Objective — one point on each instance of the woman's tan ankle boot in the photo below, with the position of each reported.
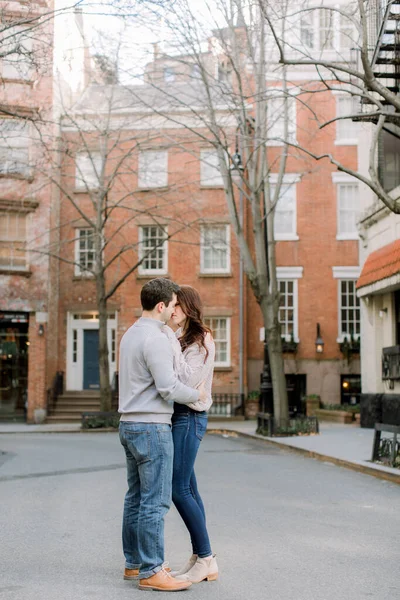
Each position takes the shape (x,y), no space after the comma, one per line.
(203,568)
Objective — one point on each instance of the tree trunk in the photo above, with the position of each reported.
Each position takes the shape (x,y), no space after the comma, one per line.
(105,388)
(274,343)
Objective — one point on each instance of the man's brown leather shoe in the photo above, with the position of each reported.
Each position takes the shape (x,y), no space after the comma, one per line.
(131,573)
(163,582)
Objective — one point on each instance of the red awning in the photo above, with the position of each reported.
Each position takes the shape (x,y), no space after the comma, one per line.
(380,264)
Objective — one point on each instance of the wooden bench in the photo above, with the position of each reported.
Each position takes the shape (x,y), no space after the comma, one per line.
(386,450)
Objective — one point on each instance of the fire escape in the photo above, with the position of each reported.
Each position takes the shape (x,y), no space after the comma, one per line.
(386,58)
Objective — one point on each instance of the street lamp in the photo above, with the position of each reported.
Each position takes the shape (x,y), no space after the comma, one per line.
(237,169)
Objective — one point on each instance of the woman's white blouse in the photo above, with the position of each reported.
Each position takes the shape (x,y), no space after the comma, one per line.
(192,366)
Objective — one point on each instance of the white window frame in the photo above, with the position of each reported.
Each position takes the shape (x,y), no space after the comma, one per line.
(87,170)
(164,247)
(274,130)
(148,180)
(218,363)
(340,179)
(169,74)
(9,240)
(343,125)
(19,144)
(78,270)
(209,159)
(227,248)
(290,179)
(346,274)
(337,29)
(292,274)
(16,66)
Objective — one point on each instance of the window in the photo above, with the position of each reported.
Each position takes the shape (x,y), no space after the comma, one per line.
(276,120)
(307,29)
(153,169)
(88,171)
(346,129)
(326,30)
(285,212)
(196,71)
(84,252)
(210,175)
(349,309)
(348,210)
(17,48)
(215,249)
(221,330)
(287,316)
(13,253)
(153,243)
(169,74)
(14,147)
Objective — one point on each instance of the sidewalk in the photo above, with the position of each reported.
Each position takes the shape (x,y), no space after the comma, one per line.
(344,445)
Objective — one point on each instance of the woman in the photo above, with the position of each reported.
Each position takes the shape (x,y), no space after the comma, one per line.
(194,353)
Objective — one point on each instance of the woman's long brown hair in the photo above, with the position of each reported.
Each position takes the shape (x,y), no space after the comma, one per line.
(195,330)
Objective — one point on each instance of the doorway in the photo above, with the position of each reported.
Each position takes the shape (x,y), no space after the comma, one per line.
(91,371)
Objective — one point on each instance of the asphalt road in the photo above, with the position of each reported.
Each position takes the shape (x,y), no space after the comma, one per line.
(284,527)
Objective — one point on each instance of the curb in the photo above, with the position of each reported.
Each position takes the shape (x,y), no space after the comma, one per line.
(340,462)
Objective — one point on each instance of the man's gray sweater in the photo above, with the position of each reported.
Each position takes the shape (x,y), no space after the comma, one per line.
(148,384)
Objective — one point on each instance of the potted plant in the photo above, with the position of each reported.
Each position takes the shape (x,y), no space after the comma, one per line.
(252,404)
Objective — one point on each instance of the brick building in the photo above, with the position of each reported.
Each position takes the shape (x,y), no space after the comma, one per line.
(170,178)
(162,182)
(25,105)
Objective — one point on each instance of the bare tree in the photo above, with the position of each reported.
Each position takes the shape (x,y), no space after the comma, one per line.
(217,60)
(365,67)
(93,166)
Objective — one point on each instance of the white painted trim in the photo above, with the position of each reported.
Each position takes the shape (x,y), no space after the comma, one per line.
(380,287)
(227,269)
(74,371)
(286,237)
(346,272)
(347,236)
(339,177)
(289,272)
(349,142)
(287,178)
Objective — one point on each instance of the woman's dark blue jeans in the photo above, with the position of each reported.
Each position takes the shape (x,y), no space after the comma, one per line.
(188,429)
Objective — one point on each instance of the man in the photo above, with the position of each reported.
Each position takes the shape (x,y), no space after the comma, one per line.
(148,386)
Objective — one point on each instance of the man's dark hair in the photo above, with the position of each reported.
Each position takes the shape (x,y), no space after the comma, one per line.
(157,290)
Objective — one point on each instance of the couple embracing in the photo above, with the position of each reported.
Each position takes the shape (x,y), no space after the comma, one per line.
(165,376)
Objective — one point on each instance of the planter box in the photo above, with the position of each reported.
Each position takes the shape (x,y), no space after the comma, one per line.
(335,416)
(252,407)
(311,406)
(357,418)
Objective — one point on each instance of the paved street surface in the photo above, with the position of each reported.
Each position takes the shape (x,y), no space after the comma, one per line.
(284,527)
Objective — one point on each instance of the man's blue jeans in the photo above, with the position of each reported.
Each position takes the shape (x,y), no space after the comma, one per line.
(188,429)
(149,456)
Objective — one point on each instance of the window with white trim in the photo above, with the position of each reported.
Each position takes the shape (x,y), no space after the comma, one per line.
(13,254)
(346,129)
(153,245)
(169,75)
(85,257)
(348,210)
(210,174)
(285,212)
(288,308)
(327,30)
(349,309)
(215,249)
(153,169)
(87,170)
(14,147)
(276,120)
(16,46)
(221,331)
